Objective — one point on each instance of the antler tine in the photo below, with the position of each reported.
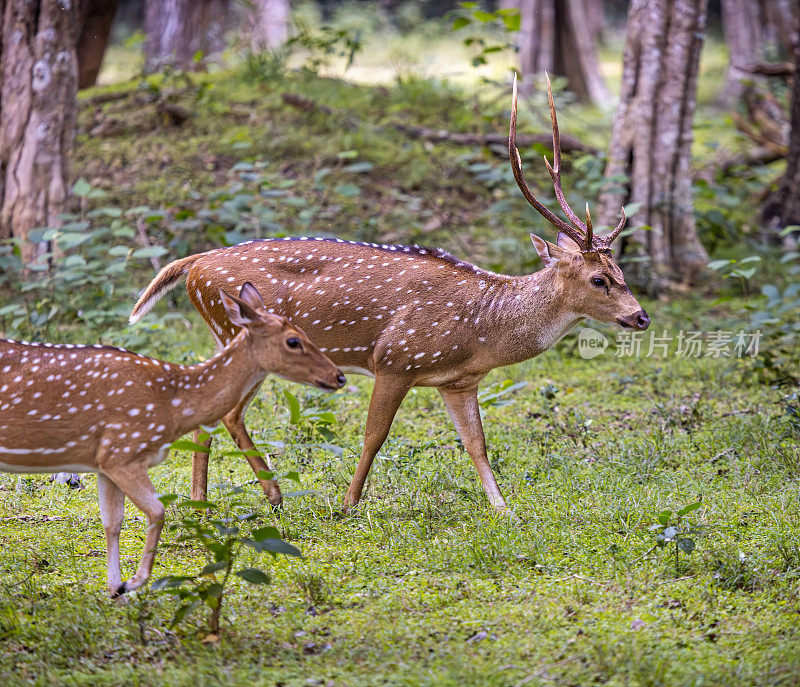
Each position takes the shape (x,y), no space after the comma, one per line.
(555,171)
(516,167)
(608,240)
(589,228)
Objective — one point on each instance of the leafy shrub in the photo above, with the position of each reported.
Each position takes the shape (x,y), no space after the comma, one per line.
(777,317)
(222,534)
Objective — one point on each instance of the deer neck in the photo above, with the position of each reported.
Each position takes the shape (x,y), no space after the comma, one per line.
(530,315)
(206,392)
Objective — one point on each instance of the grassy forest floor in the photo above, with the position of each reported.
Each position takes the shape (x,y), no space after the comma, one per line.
(424,583)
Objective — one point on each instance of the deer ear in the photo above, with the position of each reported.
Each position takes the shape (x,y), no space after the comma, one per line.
(238,311)
(250,295)
(567,243)
(548,252)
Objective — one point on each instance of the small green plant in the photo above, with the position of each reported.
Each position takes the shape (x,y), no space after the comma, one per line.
(505,21)
(499,394)
(309,421)
(735,269)
(325,42)
(674,531)
(222,532)
(777,318)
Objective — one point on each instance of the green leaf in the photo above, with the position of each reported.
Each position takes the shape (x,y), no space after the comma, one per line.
(188,445)
(169,581)
(718,264)
(669,533)
(166,499)
(359,167)
(253,575)
(211,568)
(688,509)
(745,274)
(664,516)
(82,188)
(149,252)
(267,532)
(483,17)
(511,20)
(460,23)
(265,474)
(294,407)
(292,475)
(277,546)
(200,505)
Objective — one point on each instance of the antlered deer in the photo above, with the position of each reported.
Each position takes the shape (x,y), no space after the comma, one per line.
(106,410)
(414,316)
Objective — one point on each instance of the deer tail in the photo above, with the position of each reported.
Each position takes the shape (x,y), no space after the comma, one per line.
(166,280)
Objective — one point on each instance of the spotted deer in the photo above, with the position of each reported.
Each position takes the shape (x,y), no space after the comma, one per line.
(106,410)
(412,316)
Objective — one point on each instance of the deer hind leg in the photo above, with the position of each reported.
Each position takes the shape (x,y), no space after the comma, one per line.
(234,422)
(387,395)
(133,481)
(200,458)
(112,511)
(462,405)
(200,467)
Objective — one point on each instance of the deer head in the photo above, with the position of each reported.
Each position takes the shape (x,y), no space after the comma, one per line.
(296,358)
(584,265)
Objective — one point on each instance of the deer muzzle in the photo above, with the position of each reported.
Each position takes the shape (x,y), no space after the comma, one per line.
(638,320)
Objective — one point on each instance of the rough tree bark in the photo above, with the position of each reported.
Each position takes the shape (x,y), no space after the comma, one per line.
(39,69)
(652,135)
(560,36)
(783,208)
(96,19)
(178,29)
(756,31)
(267,22)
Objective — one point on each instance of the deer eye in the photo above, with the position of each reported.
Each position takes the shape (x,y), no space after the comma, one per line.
(293,342)
(598,281)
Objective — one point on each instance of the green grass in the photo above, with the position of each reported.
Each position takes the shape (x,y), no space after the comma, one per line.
(425,584)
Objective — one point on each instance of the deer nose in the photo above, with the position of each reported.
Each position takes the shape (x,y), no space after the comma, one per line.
(340,379)
(642,319)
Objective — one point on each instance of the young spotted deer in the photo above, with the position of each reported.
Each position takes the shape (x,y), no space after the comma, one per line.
(412,316)
(106,410)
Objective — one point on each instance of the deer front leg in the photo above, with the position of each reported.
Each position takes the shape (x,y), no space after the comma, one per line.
(387,395)
(234,422)
(112,511)
(462,405)
(132,479)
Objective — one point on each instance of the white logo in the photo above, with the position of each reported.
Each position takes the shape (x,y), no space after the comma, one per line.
(591,343)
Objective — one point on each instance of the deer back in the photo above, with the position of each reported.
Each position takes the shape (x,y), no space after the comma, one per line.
(367,306)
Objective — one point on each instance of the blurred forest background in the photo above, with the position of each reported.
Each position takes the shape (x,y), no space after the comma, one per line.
(135,131)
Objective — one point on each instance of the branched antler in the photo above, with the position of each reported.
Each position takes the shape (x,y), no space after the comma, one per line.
(582,234)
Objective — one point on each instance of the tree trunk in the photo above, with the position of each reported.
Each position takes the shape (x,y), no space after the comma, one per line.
(268,23)
(784,207)
(652,135)
(97,18)
(178,30)
(756,31)
(560,36)
(38,106)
